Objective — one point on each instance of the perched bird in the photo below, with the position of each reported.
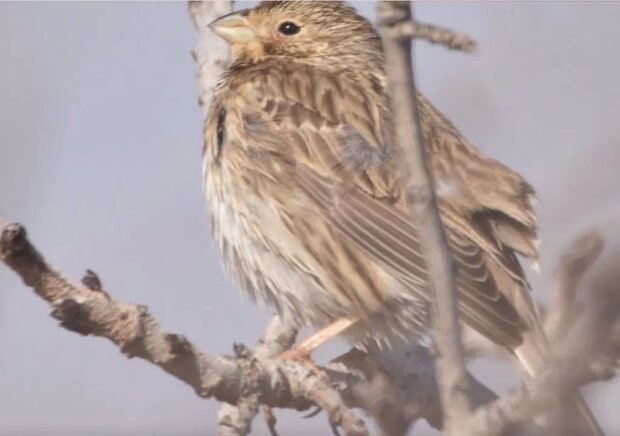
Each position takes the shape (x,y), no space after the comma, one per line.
(301,173)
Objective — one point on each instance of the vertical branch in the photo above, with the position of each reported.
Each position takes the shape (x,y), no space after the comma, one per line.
(211,53)
(420,197)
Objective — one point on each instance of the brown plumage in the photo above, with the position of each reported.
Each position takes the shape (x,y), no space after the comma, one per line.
(305,201)
(299,134)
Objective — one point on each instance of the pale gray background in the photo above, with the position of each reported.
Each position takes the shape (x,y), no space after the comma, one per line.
(100,157)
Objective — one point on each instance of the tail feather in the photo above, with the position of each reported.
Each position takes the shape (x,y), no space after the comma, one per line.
(577,418)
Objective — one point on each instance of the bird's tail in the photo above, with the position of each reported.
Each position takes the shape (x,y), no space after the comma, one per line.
(532,355)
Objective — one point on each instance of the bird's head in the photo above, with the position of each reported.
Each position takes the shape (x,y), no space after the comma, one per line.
(326,33)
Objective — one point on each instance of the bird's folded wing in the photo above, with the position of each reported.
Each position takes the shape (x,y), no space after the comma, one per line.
(384,233)
(335,137)
(482,186)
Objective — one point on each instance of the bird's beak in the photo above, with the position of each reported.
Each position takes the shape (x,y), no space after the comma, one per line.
(234,27)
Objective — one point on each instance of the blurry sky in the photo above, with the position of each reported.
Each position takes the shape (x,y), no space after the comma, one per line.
(100,158)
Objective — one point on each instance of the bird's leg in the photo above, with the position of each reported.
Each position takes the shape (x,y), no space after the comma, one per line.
(303,351)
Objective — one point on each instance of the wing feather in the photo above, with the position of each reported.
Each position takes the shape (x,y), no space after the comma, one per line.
(339,144)
(480,185)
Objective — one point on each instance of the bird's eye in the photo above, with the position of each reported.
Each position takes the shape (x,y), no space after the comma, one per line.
(289,28)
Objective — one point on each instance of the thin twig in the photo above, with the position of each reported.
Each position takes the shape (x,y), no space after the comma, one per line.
(420,197)
(438,35)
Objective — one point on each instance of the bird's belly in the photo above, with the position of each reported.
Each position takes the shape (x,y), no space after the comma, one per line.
(258,253)
(271,265)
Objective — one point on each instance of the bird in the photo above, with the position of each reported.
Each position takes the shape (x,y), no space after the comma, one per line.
(305,195)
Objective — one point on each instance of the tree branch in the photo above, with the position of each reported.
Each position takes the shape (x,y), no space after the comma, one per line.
(137,333)
(395,387)
(210,53)
(569,275)
(413,29)
(438,35)
(420,197)
(236,420)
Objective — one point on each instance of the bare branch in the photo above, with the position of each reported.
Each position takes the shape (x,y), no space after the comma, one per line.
(236,420)
(210,54)
(129,326)
(279,336)
(569,274)
(420,197)
(395,387)
(432,33)
(138,334)
(402,380)
(438,35)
